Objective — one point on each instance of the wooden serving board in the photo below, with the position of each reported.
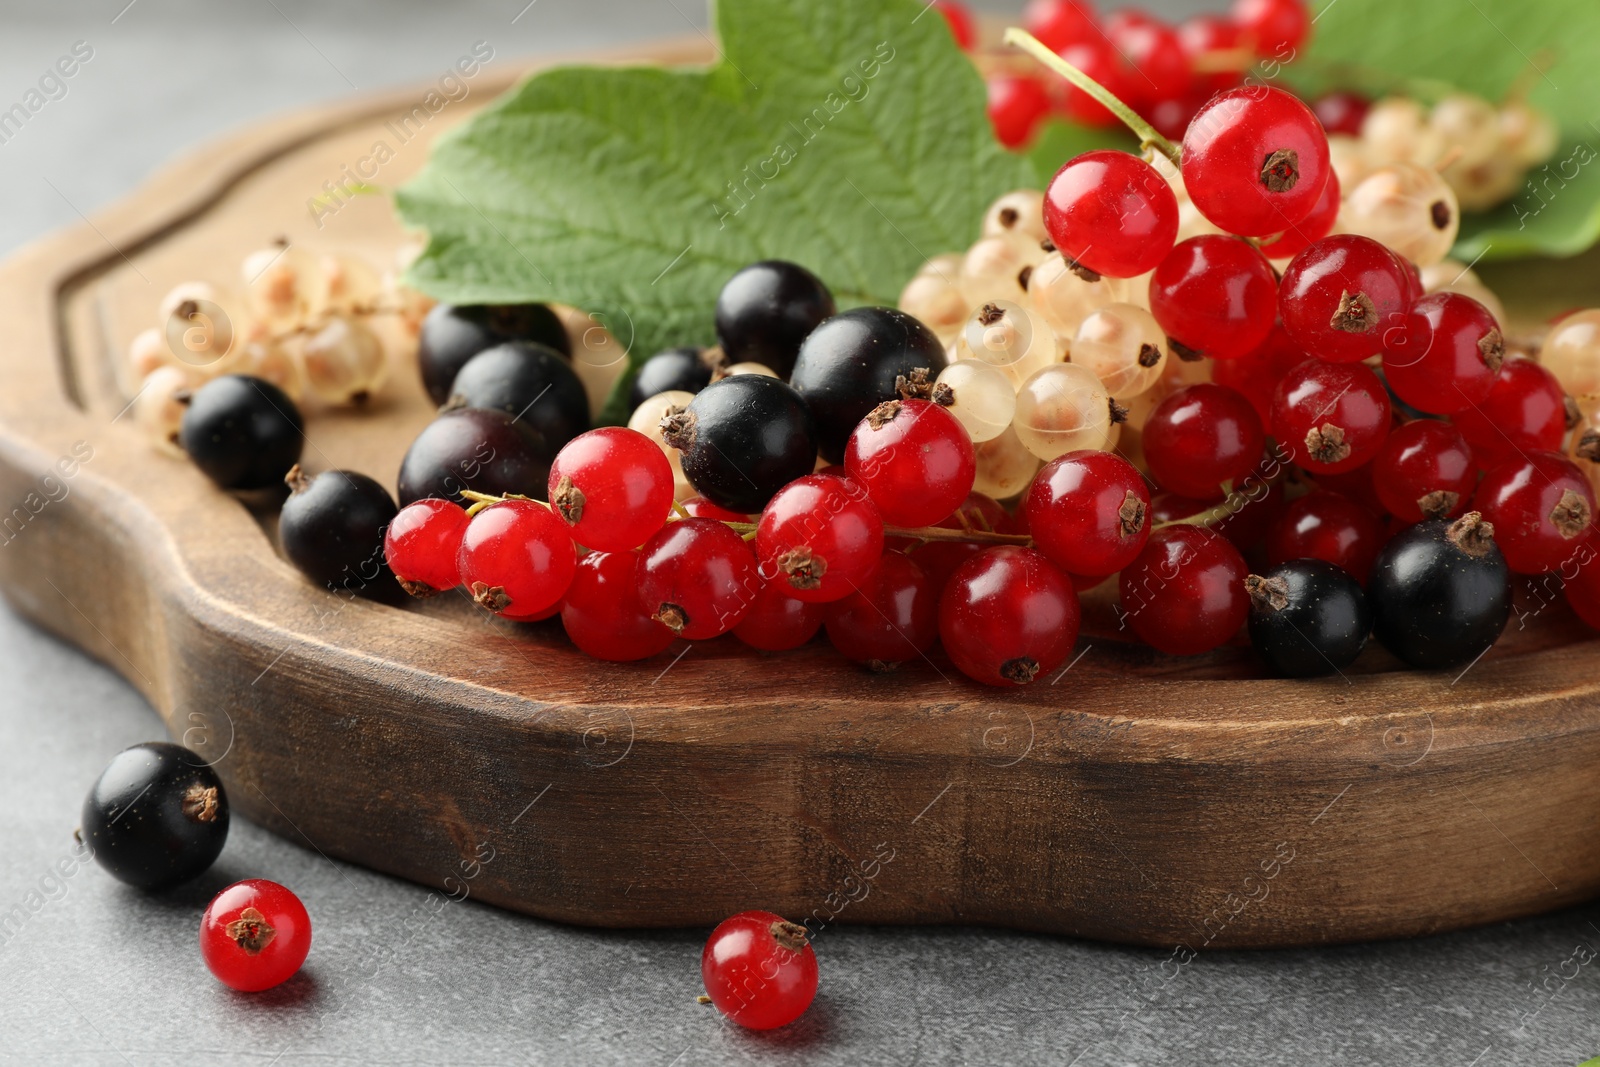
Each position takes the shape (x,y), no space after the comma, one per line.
(1133,797)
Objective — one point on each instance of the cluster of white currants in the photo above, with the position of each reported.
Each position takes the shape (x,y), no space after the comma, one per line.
(1571,352)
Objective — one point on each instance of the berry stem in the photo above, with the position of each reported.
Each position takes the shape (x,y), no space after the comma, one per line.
(1147,134)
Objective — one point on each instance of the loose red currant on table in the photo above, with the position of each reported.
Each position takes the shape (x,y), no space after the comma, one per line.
(1343,297)
(1278,27)
(517,559)
(941,558)
(777,622)
(1007,615)
(697,578)
(1200,438)
(1185,593)
(1215,295)
(613,487)
(819,538)
(914,460)
(1424,471)
(422,543)
(1111,214)
(1327,526)
(892,618)
(602,613)
(254,935)
(1311,229)
(759,970)
(1447,357)
(1088,512)
(1016,107)
(1542,508)
(1331,417)
(1525,411)
(1255,160)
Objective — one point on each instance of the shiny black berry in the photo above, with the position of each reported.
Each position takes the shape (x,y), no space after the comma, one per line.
(479,449)
(851,364)
(1307,617)
(332,528)
(766,310)
(1440,592)
(157,816)
(677,369)
(531,383)
(743,439)
(243,432)
(452,334)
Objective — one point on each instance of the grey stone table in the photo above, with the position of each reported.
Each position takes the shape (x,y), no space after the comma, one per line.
(91,973)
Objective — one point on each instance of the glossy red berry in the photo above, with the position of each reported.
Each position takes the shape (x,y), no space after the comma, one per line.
(1059,23)
(1328,526)
(1344,298)
(1525,411)
(1088,512)
(1161,66)
(1424,471)
(941,558)
(1100,61)
(759,970)
(1446,358)
(602,613)
(1542,510)
(1342,112)
(1311,229)
(422,543)
(777,621)
(893,617)
(697,578)
(914,459)
(1207,35)
(819,538)
(1111,213)
(1278,27)
(699,507)
(1215,295)
(1007,615)
(962,27)
(1330,417)
(1201,437)
(254,935)
(517,559)
(1185,593)
(613,486)
(1255,160)
(1257,373)
(1017,104)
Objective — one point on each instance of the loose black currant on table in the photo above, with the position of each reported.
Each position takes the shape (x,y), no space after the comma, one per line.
(850,364)
(531,383)
(479,449)
(156,817)
(332,528)
(1307,618)
(686,370)
(242,432)
(452,334)
(766,310)
(743,439)
(1440,592)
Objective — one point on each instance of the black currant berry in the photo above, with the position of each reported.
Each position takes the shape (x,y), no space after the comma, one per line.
(156,817)
(332,528)
(243,432)
(743,439)
(1307,617)
(850,364)
(687,370)
(766,311)
(452,334)
(1440,592)
(529,382)
(475,448)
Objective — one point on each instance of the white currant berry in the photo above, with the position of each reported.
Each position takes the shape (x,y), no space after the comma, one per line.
(935,300)
(1011,337)
(410,307)
(1451,276)
(348,286)
(1571,352)
(1060,409)
(1124,347)
(1487,185)
(646,419)
(1019,213)
(1064,298)
(281,282)
(747,368)
(1350,159)
(1528,134)
(1406,206)
(344,361)
(185,292)
(1004,466)
(1468,126)
(259,356)
(148,351)
(1396,130)
(199,333)
(984,399)
(159,406)
(999,268)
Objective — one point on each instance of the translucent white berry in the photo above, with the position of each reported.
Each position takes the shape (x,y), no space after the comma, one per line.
(1396,131)
(1064,298)
(199,333)
(999,268)
(1468,126)
(1348,156)
(984,398)
(1529,135)
(158,408)
(349,286)
(1487,185)
(748,368)
(1060,409)
(1019,213)
(149,351)
(1010,336)
(1005,467)
(1571,352)
(1124,347)
(261,357)
(646,419)
(935,300)
(1452,276)
(1406,206)
(344,361)
(185,292)
(281,282)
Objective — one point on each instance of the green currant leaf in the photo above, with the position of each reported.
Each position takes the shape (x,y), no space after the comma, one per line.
(1059,141)
(850,136)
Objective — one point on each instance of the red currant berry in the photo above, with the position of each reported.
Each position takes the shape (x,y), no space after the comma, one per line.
(1257,373)
(1255,160)
(1541,507)
(819,538)
(962,28)
(1344,297)
(941,558)
(422,543)
(1311,229)
(1446,358)
(1088,512)
(699,507)
(602,613)
(1424,471)
(1342,112)
(1278,27)
(1215,295)
(1059,23)
(1355,485)
(1327,526)
(254,935)
(1525,411)
(1206,35)
(1008,615)
(1583,587)
(1330,416)
(1156,54)
(1111,213)
(1255,508)
(517,559)
(697,578)
(914,459)
(759,970)
(1016,107)
(777,621)
(892,618)
(1185,593)
(613,486)
(1201,437)
(1101,62)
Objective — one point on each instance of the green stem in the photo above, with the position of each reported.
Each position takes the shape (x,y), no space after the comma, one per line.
(1147,134)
